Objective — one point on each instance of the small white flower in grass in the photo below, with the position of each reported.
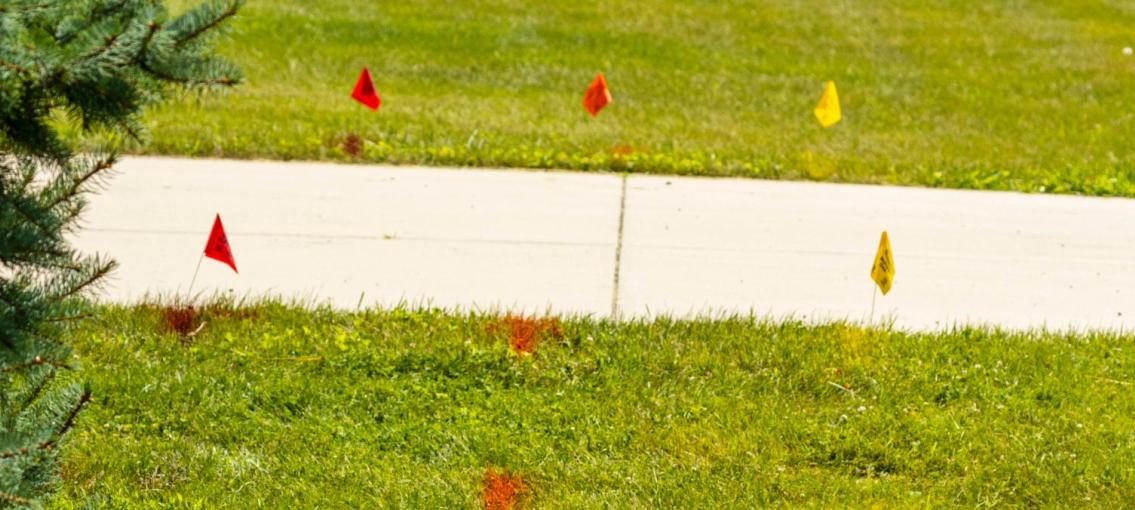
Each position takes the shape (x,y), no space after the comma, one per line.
(1128,51)
(862,409)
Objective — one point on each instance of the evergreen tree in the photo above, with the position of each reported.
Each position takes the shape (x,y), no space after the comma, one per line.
(94,64)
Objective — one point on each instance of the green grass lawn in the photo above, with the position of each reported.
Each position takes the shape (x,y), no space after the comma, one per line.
(1032,96)
(278,407)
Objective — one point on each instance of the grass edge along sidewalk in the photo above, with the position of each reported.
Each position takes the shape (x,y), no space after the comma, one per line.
(1024,96)
(272,405)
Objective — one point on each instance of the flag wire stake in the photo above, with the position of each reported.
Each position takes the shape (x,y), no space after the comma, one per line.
(874,294)
(189,293)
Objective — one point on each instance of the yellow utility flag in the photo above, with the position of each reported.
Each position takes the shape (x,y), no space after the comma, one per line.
(827,111)
(883,272)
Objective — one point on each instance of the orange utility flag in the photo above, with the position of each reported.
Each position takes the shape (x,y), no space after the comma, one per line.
(365,92)
(218,246)
(883,271)
(597,96)
(827,111)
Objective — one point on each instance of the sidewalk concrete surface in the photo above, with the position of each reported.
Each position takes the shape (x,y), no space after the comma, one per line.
(564,242)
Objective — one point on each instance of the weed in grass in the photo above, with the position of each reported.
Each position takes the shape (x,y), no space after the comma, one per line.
(502,490)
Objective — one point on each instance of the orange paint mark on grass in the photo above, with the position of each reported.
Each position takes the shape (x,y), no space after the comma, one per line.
(353,145)
(624,150)
(502,491)
(526,333)
(180,319)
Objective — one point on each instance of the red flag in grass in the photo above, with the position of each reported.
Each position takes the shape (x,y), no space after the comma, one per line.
(365,93)
(218,246)
(597,96)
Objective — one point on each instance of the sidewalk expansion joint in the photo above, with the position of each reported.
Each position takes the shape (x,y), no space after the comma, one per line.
(619,250)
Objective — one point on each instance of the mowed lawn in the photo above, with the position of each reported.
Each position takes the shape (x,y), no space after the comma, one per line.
(1032,96)
(279,407)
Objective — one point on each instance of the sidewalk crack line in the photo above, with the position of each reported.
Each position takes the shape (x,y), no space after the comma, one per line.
(619,250)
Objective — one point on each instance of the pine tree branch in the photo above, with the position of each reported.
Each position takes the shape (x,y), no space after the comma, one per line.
(83,401)
(145,46)
(50,443)
(110,40)
(26,8)
(13,499)
(96,14)
(48,341)
(77,185)
(27,180)
(25,258)
(104,10)
(14,67)
(224,81)
(37,362)
(228,13)
(144,65)
(102,61)
(69,318)
(49,233)
(50,320)
(90,280)
(33,396)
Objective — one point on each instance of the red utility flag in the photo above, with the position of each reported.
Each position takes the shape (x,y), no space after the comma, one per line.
(597,96)
(365,93)
(218,246)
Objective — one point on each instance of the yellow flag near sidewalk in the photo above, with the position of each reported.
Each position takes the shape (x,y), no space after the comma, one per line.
(883,272)
(827,110)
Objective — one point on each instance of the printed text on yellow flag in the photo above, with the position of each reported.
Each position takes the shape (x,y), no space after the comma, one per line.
(827,110)
(883,271)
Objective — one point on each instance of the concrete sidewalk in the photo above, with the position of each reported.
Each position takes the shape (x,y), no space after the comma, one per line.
(584,243)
